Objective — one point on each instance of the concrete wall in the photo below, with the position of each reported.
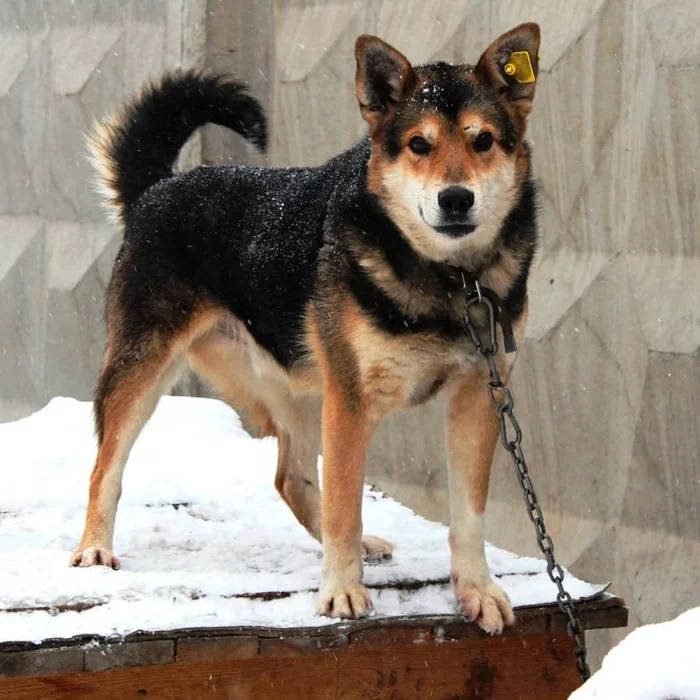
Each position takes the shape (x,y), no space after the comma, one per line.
(62,64)
(607,383)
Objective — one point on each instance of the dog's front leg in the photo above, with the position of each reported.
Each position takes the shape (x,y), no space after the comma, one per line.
(473,430)
(346,433)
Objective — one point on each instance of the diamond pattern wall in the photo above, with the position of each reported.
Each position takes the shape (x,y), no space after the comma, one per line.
(59,70)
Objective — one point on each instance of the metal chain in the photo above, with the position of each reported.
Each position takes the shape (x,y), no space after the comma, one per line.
(511,437)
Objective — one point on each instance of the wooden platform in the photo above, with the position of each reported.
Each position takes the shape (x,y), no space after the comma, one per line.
(437,657)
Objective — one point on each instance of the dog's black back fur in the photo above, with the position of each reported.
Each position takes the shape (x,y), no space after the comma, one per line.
(139,144)
(248,237)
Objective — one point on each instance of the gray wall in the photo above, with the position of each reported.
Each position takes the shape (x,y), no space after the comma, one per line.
(62,64)
(607,383)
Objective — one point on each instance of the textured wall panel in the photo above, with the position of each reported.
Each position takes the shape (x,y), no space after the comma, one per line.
(60,70)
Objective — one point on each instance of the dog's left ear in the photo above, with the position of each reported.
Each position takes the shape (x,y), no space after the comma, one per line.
(384,78)
(510,66)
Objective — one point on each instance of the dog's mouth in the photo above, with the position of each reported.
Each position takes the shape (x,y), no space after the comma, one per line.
(455,230)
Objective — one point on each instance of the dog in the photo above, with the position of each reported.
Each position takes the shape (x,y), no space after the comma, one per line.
(319,300)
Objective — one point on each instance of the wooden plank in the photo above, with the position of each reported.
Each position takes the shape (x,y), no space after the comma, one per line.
(426,656)
(302,678)
(212,648)
(149,653)
(502,668)
(41,661)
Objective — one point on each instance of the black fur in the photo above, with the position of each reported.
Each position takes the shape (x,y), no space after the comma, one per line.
(447,89)
(151,130)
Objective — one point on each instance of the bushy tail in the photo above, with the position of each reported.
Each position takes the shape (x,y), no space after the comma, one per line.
(138,144)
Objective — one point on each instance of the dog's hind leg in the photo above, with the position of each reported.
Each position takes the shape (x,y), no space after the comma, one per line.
(135,373)
(296,480)
(226,365)
(297,475)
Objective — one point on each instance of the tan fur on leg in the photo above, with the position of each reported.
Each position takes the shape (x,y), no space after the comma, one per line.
(346,434)
(272,407)
(226,364)
(296,479)
(125,410)
(473,429)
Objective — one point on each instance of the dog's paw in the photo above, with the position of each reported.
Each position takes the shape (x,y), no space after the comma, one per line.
(350,601)
(376,549)
(486,604)
(95,556)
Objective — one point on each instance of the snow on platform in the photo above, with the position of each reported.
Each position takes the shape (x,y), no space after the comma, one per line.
(203,537)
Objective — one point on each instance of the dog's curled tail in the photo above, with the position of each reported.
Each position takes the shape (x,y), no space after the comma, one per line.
(138,144)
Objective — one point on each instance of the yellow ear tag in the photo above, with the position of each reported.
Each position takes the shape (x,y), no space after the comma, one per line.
(519,67)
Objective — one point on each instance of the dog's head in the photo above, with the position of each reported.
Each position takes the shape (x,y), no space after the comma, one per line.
(447,156)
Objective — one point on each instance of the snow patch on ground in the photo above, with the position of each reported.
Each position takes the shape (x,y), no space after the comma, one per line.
(199,524)
(654,662)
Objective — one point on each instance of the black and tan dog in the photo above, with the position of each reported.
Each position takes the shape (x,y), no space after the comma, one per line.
(279,286)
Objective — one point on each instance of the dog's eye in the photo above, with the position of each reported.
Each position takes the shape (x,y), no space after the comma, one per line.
(483,142)
(419,146)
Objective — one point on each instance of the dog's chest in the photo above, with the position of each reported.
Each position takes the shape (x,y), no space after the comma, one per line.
(399,372)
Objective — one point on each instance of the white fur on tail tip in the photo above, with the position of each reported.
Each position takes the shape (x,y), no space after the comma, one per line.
(99,142)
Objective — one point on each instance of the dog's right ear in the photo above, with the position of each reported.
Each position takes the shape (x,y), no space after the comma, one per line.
(384,77)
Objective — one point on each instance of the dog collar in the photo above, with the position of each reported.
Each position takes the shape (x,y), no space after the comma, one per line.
(502,316)
(460,279)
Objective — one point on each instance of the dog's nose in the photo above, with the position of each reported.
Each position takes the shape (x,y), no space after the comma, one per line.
(456,201)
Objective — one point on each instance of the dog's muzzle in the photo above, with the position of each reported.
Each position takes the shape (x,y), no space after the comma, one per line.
(455,205)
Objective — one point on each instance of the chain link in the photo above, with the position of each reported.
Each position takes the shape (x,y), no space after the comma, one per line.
(511,437)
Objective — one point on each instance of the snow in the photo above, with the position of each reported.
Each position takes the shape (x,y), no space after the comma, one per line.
(201,534)
(654,662)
